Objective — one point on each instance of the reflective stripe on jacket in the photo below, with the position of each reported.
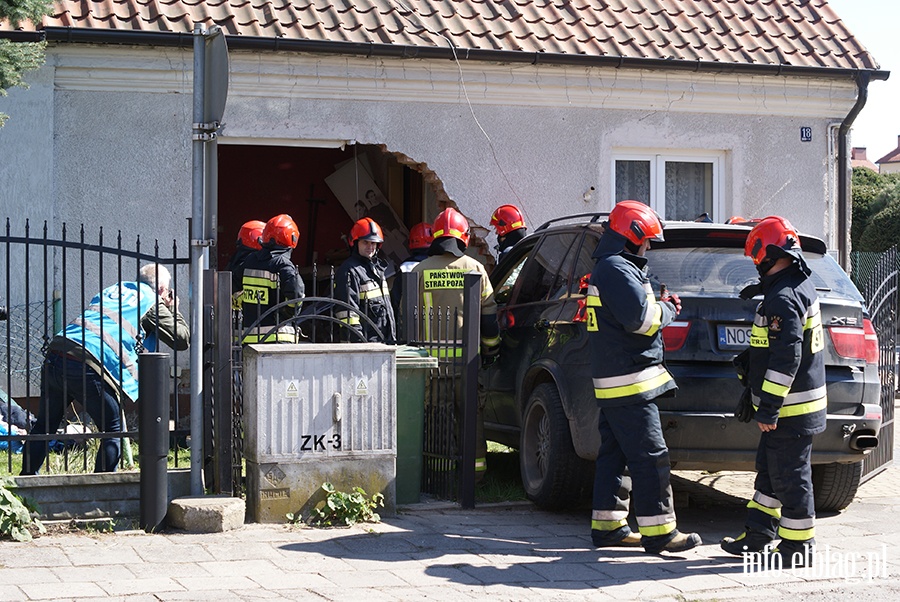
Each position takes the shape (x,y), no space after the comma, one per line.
(787,366)
(270,278)
(360,282)
(624,322)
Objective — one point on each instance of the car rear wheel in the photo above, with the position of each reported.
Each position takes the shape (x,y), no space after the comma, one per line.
(835,485)
(553,476)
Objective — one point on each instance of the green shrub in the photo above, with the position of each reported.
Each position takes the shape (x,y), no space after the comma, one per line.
(345,508)
(16,521)
(883,229)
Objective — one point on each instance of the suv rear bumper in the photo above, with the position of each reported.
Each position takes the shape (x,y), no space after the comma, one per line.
(847,438)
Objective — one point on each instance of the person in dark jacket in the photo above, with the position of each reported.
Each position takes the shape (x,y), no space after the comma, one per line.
(420,239)
(786,375)
(94,360)
(270,278)
(625,323)
(248,242)
(360,282)
(509,224)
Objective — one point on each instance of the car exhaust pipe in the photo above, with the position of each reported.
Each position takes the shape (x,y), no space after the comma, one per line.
(861,441)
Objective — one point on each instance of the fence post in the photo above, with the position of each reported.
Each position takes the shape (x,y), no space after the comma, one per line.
(153,419)
(410,304)
(471,344)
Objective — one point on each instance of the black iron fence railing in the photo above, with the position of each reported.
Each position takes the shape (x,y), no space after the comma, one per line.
(51,277)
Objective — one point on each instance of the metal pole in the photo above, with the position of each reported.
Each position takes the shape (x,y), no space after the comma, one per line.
(471,345)
(153,425)
(198,264)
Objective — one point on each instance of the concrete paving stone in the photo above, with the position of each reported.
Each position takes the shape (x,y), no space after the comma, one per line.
(701,581)
(51,591)
(112,572)
(387,562)
(291,580)
(451,558)
(127,587)
(516,573)
(29,575)
(146,570)
(565,571)
(108,552)
(431,575)
(437,542)
(213,595)
(510,592)
(634,590)
(217,583)
(11,592)
(342,594)
(224,551)
(310,563)
(500,559)
(364,579)
(242,568)
(134,598)
(16,555)
(168,551)
(562,543)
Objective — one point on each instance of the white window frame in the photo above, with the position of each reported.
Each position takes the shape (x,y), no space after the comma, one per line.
(658,160)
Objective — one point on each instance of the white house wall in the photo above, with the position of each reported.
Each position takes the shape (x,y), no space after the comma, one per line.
(113,147)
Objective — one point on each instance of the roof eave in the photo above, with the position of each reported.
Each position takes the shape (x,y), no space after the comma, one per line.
(179,39)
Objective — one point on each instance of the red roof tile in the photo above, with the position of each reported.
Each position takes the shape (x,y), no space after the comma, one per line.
(797,33)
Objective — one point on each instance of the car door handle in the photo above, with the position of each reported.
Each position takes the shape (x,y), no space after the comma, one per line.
(542,324)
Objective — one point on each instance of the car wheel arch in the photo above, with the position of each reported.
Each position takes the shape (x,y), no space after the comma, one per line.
(548,371)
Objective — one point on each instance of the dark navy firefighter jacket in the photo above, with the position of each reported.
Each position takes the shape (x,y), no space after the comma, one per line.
(787,366)
(625,323)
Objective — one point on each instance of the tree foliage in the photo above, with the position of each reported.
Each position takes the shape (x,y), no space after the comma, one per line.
(16,58)
(876,210)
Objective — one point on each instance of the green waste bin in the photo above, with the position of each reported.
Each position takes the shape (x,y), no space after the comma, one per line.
(413,365)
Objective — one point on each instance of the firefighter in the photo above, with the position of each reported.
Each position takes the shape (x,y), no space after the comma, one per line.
(420,239)
(786,375)
(507,220)
(247,243)
(441,278)
(361,283)
(625,323)
(269,278)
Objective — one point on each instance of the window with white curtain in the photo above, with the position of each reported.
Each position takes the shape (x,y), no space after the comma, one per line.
(677,186)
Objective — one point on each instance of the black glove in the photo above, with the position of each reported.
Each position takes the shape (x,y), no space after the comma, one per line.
(750,291)
(744,411)
(666,296)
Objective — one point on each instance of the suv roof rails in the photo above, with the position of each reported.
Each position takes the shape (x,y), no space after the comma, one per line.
(595,217)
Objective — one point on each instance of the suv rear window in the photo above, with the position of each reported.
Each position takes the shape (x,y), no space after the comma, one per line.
(725,271)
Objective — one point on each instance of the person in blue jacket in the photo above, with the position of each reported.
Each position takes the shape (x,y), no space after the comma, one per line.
(625,322)
(94,359)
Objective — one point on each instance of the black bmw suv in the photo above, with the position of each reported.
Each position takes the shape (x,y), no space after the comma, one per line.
(539,393)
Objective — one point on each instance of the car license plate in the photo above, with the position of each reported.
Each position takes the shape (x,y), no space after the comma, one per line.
(733,337)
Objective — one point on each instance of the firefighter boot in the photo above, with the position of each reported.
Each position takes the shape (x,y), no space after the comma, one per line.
(675,542)
(623,537)
(748,541)
(796,554)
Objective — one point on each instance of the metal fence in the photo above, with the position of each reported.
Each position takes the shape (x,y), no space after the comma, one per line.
(50,277)
(876,276)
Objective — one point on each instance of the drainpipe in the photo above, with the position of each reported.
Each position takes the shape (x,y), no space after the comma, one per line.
(845,202)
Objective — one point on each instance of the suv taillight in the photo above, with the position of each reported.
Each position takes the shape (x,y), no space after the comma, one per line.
(855,343)
(871,342)
(675,334)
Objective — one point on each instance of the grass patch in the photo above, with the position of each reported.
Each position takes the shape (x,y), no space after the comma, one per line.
(502,483)
(80,460)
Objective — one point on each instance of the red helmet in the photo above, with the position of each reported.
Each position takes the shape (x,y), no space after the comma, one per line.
(366,229)
(282,231)
(506,219)
(772,230)
(636,221)
(420,236)
(451,222)
(250,232)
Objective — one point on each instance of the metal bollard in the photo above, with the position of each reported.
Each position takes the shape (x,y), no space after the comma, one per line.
(153,430)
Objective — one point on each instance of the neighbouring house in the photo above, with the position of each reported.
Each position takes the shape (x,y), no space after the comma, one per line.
(858,159)
(890,163)
(339,107)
